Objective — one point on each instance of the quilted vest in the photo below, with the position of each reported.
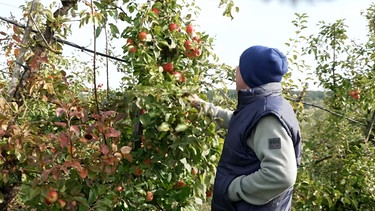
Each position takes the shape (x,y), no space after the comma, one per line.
(239,159)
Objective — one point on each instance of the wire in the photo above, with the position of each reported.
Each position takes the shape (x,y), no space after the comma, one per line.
(327,110)
(8,5)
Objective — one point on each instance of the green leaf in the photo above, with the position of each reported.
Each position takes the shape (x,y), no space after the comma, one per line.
(181,127)
(98,5)
(188,17)
(114,30)
(75,187)
(185,192)
(131,8)
(35,192)
(145,119)
(93,195)
(81,199)
(104,204)
(163,127)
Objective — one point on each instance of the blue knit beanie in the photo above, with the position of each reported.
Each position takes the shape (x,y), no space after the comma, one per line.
(260,65)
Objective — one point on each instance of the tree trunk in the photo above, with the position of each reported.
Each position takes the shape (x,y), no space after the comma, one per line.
(16,76)
(40,50)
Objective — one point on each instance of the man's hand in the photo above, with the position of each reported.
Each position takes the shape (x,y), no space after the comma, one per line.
(195,100)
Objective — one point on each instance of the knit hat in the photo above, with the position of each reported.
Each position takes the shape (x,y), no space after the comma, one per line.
(260,65)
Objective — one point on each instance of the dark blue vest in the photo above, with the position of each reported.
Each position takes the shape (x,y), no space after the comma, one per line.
(238,159)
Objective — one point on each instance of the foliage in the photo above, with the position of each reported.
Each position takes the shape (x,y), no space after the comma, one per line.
(143,146)
(337,168)
(147,148)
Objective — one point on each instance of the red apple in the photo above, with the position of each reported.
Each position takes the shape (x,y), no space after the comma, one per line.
(142,36)
(148,162)
(119,188)
(193,53)
(168,67)
(187,44)
(197,39)
(143,111)
(132,50)
(173,27)
(62,203)
(156,10)
(129,41)
(208,194)
(179,76)
(52,197)
(194,171)
(149,196)
(189,29)
(355,94)
(196,52)
(138,171)
(179,184)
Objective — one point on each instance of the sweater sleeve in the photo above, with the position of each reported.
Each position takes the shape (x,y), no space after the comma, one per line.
(278,168)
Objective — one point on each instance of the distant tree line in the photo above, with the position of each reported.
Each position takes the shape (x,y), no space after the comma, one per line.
(311,96)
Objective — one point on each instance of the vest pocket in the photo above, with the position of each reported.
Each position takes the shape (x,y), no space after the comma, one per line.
(220,199)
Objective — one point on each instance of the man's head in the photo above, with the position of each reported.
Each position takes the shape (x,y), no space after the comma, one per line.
(260,65)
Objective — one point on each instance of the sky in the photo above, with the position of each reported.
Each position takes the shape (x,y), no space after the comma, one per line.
(258,22)
(270,24)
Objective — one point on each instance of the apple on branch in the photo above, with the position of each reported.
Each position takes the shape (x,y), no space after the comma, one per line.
(156,10)
(355,94)
(52,197)
(179,76)
(168,67)
(173,27)
(189,29)
(149,196)
(142,36)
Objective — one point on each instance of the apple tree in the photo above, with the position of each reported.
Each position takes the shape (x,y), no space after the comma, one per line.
(174,146)
(338,166)
(66,145)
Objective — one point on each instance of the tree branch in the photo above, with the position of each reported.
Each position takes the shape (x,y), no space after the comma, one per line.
(370,127)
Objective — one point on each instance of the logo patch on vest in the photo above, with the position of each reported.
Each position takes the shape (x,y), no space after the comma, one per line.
(274,143)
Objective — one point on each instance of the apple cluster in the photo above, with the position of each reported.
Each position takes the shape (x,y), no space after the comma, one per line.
(191,45)
(168,68)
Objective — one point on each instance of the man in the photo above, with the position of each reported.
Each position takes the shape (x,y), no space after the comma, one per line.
(258,166)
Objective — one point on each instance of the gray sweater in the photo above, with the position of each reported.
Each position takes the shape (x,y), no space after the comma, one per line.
(278,168)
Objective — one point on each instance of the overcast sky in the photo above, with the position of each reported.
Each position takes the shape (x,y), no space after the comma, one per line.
(270,24)
(258,23)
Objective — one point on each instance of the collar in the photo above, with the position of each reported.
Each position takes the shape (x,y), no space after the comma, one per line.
(248,95)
